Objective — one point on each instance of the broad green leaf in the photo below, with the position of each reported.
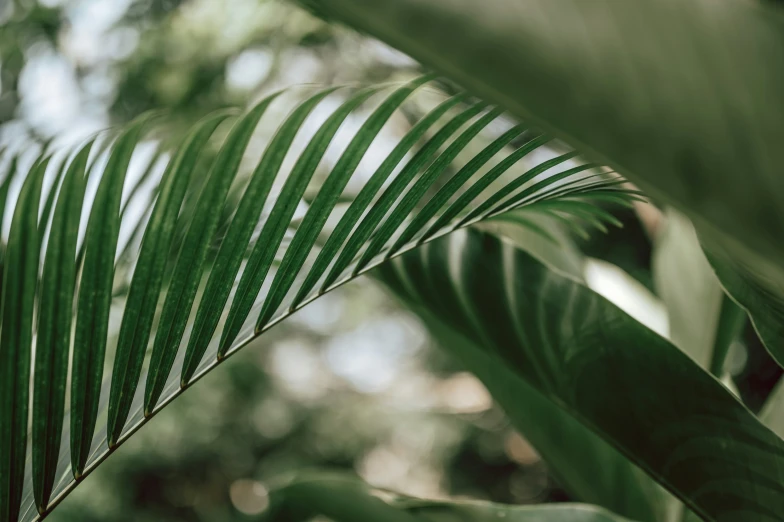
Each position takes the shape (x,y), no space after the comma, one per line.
(188,270)
(703,320)
(772,413)
(346,499)
(54,326)
(337,496)
(589,468)
(20,276)
(762,298)
(95,295)
(612,374)
(682,117)
(148,276)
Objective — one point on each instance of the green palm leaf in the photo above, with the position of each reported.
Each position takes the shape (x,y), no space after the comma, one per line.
(185,280)
(261,257)
(185,296)
(94,301)
(54,326)
(146,285)
(20,276)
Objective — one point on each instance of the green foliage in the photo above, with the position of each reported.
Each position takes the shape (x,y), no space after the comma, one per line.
(588,467)
(107,404)
(465,227)
(595,362)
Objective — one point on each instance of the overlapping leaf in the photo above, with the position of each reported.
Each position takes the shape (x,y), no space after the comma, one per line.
(588,467)
(761,297)
(598,364)
(694,118)
(704,321)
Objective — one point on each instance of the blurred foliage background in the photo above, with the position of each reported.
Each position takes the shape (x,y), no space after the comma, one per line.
(350,382)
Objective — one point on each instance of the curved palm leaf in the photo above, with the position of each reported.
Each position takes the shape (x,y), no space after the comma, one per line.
(54,328)
(596,363)
(20,274)
(184,298)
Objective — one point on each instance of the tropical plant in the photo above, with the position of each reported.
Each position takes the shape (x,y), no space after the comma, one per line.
(469,221)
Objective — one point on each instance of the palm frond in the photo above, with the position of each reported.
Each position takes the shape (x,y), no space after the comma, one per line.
(224,284)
